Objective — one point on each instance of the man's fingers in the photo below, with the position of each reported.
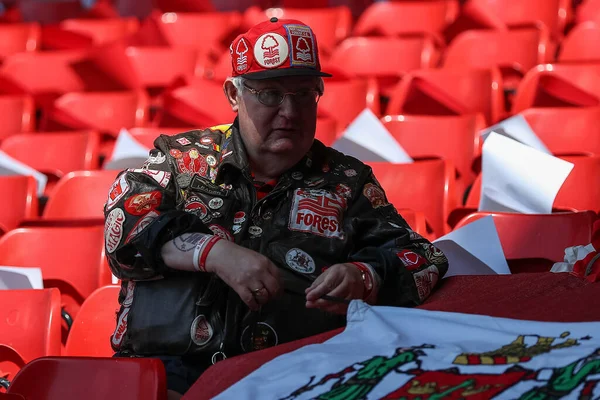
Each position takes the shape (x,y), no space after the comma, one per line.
(272,286)
(248,297)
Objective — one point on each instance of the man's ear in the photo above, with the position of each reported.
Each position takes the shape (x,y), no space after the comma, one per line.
(232,95)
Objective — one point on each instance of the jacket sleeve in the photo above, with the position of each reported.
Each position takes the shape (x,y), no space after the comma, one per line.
(142,213)
(409,266)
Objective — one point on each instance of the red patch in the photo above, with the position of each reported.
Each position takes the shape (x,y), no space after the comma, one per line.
(141,204)
(121,329)
(192,163)
(302,46)
(141,225)
(375,195)
(425,281)
(196,206)
(242,56)
(206,140)
(176,153)
(411,260)
(318,212)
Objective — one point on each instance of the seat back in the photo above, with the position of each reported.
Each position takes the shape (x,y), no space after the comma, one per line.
(147,136)
(326,131)
(582,44)
(80,195)
(102,31)
(53,378)
(450,92)
(29,327)
(22,202)
(345,99)
(90,334)
(19,38)
(161,66)
(427,186)
(18,115)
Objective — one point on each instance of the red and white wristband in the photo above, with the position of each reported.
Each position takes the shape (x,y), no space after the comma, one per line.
(370,279)
(204,246)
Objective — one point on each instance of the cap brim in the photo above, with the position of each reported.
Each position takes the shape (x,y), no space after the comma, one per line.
(277,73)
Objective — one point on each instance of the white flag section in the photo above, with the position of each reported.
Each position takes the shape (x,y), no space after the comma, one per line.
(128,153)
(20,278)
(518,178)
(399,353)
(10,166)
(517,128)
(474,249)
(368,140)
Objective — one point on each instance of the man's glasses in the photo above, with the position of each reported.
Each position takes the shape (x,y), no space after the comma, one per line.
(274,97)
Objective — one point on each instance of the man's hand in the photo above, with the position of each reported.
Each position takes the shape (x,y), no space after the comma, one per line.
(253,276)
(340,280)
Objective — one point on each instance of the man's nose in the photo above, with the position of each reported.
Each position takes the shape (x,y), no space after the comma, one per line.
(289,107)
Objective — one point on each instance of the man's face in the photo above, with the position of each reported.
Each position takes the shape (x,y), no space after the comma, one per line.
(286,130)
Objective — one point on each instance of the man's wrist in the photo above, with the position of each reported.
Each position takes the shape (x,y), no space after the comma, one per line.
(369,277)
(202,250)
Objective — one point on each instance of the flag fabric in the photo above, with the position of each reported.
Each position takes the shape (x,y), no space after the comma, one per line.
(397,353)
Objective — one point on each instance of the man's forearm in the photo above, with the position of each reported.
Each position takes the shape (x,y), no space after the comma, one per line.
(196,252)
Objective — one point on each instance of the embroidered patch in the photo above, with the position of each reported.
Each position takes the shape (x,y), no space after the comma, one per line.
(411,260)
(141,225)
(318,212)
(300,261)
(426,280)
(271,50)
(129,294)
(157,158)
(192,163)
(183,141)
(433,254)
(259,337)
(195,206)
(176,153)
(121,329)
(118,189)
(113,229)
(201,331)
(242,62)
(141,203)
(375,195)
(343,190)
(303,46)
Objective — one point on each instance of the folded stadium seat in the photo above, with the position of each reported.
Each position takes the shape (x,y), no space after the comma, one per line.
(589,10)
(18,115)
(202,103)
(513,51)
(29,327)
(345,99)
(568,130)
(331,25)
(80,195)
(62,153)
(454,138)
(407,18)
(101,31)
(551,13)
(427,186)
(106,112)
(533,242)
(71,259)
(21,204)
(582,44)
(19,38)
(362,57)
(60,378)
(450,92)
(95,323)
(559,85)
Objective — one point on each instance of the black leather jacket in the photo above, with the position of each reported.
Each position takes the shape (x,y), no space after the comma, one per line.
(327,209)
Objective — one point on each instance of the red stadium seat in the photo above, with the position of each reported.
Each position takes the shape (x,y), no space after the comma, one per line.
(427,186)
(19,38)
(326,131)
(59,378)
(21,204)
(161,66)
(345,99)
(514,51)
(29,327)
(450,92)
(406,17)
(568,130)
(220,69)
(202,104)
(453,138)
(80,195)
(146,136)
(63,152)
(330,25)
(588,11)
(559,85)
(71,259)
(362,57)
(101,31)
(416,220)
(54,11)
(95,323)
(552,14)
(199,6)
(533,236)
(105,112)
(582,44)
(17,114)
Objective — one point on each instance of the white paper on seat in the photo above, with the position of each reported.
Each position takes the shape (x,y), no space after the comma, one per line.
(368,140)
(518,178)
(10,166)
(127,153)
(20,278)
(517,128)
(474,249)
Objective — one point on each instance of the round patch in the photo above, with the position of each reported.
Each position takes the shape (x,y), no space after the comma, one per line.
(206,140)
(271,50)
(350,173)
(215,203)
(255,231)
(375,195)
(141,204)
(194,154)
(201,331)
(184,180)
(195,206)
(239,217)
(300,261)
(221,232)
(343,190)
(113,229)
(297,175)
(175,153)
(259,337)
(211,160)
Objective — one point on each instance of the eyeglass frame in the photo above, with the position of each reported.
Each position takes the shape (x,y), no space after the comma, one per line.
(256,93)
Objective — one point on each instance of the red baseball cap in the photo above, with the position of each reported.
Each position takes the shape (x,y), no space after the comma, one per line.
(274,48)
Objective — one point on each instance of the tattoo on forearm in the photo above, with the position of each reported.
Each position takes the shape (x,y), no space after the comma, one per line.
(187,241)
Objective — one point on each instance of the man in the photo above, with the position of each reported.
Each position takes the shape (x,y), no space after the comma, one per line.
(243,236)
